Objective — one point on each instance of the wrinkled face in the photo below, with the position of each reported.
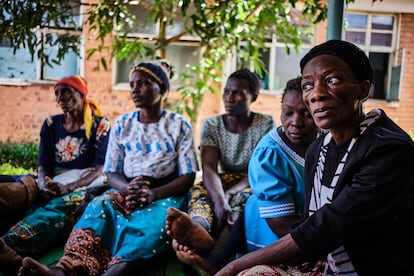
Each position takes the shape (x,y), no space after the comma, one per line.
(236,96)
(145,91)
(68,98)
(296,119)
(331,92)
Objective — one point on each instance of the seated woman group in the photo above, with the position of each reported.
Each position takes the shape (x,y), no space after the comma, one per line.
(275,174)
(215,229)
(151,164)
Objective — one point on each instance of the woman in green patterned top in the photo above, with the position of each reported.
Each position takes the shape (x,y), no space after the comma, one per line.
(227,142)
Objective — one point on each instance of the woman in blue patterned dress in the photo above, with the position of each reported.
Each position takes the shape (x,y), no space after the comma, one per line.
(227,142)
(151,164)
(71,156)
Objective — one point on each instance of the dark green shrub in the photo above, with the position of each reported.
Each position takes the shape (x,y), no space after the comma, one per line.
(22,155)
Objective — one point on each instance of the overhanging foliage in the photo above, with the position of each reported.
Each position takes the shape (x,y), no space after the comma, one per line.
(224,28)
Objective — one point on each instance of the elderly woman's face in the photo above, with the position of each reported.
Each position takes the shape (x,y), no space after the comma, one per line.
(68,98)
(331,92)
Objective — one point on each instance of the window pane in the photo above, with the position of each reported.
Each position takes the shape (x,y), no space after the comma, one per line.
(264,78)
(18,66)
(68,66)
(178,25)
(380,39)
(379,62)
(287,66)
(142,25)
(75,12)
(356,20)
(179,55)
(382,22)
(355,37)
(122,70)
(177,28)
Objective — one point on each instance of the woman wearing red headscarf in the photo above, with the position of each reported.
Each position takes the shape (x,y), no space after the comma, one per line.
(71,156)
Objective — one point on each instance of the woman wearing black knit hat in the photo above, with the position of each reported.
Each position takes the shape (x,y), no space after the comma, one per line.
(360,185)
(150,164)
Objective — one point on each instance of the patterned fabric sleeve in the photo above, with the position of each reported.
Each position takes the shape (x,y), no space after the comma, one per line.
(209,132)
(187,158)
(115,154)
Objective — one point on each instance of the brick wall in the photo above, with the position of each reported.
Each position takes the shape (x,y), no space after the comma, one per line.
(25,107)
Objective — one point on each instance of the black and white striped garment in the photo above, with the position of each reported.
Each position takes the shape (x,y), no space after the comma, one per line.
(322,194)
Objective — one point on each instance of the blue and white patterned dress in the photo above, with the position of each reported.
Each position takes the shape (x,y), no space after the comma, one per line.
(135,149)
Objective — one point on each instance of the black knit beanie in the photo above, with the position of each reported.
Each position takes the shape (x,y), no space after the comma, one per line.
(348,52)
(160,70)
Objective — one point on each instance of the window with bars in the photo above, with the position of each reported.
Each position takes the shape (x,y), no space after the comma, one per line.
(282,61)
(375,33)
(182,53)
(22,67)
(281,65)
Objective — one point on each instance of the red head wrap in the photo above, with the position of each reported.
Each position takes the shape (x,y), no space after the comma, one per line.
(79,84)
(76,82)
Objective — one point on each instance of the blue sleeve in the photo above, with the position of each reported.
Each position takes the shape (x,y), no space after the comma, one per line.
(271,181)
(187,158)
(115,153)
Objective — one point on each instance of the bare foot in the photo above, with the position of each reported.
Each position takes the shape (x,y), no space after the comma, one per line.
(10,261)
(34,268)
(180,226)
(190,257)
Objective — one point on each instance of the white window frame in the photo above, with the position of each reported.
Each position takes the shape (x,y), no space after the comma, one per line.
(42,67)
(367,47)
(231,64)
(148,38)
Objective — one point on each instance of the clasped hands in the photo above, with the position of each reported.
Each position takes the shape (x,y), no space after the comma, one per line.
(137,194)
(53,189)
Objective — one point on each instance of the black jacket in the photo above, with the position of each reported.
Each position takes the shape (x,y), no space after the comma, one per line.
(372,210)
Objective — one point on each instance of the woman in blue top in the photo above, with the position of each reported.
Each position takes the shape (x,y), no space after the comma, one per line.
(276,172)
(151,164)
